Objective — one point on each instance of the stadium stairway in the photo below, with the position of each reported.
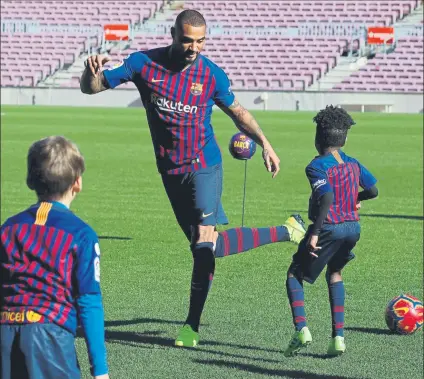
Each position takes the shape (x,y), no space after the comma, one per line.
(416,17)
(348,65)
(72,73)
(68,74)
(344,66)
(167,11)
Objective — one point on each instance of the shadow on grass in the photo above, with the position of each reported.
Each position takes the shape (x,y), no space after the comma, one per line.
(296,374)
(151,339)
(141,321)
(173,322)
(378,331)
(237,346)
(317,356)
(145,337)
(114,238)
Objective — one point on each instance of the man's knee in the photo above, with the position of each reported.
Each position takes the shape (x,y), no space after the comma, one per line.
(333,276)
(202,249)
(294,271)
(204,233)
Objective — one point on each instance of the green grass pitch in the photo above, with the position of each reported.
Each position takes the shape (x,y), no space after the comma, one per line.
(146,262)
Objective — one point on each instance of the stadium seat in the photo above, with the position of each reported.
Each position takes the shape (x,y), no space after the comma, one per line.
(251,62)
(63,48)
(402,70)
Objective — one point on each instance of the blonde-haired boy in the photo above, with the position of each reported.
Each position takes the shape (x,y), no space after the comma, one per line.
(50,274)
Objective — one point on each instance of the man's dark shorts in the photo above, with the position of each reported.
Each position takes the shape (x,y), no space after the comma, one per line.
(196,198)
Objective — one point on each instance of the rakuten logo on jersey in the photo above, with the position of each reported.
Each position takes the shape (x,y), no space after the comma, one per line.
(172,106)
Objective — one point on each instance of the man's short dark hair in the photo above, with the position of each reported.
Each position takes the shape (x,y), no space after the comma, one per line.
(190,17)
(333,124)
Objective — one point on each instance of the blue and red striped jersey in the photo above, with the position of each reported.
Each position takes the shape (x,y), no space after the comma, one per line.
(178,106)
(48,258)
(342,175)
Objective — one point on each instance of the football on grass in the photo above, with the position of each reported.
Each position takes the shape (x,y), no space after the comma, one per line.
(404,314)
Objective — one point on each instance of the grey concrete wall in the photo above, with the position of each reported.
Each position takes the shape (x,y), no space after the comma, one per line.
(286,101)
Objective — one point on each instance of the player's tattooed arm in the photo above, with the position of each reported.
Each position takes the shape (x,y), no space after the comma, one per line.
(92,79)
(245,121)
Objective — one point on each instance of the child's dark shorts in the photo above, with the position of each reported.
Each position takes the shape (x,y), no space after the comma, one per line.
(336,242)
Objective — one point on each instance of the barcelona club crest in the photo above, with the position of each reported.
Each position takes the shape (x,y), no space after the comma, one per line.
(196,89)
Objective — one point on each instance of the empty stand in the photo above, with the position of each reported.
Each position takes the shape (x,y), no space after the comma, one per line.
(253,63)
(289,12)
(28,58)
(400,71)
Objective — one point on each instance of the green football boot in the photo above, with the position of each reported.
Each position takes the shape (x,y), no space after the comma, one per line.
(299,340)
(296,228)
(337,346)
(187,337)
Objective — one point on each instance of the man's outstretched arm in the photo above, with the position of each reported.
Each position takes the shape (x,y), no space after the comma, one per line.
(247,124)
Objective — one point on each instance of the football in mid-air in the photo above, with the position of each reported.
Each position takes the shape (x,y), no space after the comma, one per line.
(404,314)
(242,147)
